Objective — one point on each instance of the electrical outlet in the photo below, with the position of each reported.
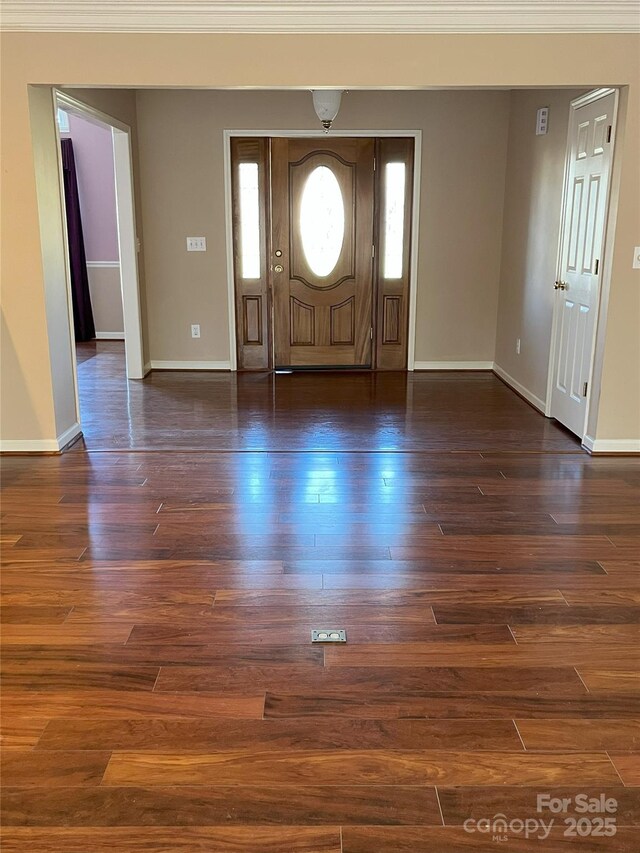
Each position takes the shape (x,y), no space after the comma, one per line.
(196,244)
(518,346)
(195,330)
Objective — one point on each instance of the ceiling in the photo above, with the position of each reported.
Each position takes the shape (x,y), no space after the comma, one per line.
(322,16)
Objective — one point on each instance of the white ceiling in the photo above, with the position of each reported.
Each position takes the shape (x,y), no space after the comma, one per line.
(364,16)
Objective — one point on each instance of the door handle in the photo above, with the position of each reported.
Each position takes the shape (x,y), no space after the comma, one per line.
(561,285)
(278,268)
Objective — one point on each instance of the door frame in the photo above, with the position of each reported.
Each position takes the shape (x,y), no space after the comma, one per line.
(604,284)
(416,135)
(126,225)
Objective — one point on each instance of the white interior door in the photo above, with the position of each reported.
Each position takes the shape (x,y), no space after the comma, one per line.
(585,209)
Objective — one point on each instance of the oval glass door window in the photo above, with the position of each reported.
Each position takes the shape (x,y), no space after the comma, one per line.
(322,221)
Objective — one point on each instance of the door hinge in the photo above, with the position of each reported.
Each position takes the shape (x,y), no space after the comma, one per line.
(373,250)
(584,389)
(374,161)
(609,134)
(371,332)
(596,267)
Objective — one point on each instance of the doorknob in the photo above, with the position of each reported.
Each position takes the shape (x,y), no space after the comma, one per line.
(561,285)
(278,268)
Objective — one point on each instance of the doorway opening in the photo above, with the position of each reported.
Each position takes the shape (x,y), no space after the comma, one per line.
(92,241)
(313,182)
(96,179)
(322,256)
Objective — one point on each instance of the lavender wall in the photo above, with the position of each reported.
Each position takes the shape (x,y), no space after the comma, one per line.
(93,148)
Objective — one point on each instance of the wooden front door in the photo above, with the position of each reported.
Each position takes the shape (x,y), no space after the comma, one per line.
(322,251)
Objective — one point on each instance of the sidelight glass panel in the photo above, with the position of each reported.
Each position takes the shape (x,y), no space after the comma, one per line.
(322,221)
(394,194)
(249,220)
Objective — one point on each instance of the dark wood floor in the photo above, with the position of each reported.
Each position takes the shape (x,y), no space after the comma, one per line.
(333,411)
(160,689)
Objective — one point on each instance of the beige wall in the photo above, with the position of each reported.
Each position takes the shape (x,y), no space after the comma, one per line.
(618,344)
(106,299)
(532,205)
(297,61)
(27,396)
(53,258)
(182,180)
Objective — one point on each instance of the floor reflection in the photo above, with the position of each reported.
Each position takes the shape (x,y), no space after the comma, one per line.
(319,411)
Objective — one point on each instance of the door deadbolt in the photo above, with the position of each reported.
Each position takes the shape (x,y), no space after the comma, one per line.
(278,253)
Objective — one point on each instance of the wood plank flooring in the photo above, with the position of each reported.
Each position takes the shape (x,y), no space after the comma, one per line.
(161,692)
(332,411)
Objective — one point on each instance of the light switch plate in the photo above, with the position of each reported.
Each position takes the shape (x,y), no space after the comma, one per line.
(542,121)
(196,244)
(636,258)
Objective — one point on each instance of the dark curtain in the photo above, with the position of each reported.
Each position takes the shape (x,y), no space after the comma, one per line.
(82,311)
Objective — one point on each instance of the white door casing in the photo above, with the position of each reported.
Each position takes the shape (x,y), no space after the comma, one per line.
(590,150)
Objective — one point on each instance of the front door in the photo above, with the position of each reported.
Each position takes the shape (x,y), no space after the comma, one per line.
(577,287)
(322,251)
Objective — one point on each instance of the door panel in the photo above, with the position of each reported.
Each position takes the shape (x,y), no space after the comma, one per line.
(249,184)
(321,260)
(394,173)
(577,289)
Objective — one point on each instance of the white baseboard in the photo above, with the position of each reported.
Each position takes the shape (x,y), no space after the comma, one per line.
(68,435)
(103,264)
(109,336)
(453,365)
(41,445)
(611,445)
(535,401)
(146,369)
(190,365)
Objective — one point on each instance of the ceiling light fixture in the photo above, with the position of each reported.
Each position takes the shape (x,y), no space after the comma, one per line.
(326,103)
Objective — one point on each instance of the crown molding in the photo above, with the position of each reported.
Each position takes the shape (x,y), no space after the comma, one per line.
(322,16)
